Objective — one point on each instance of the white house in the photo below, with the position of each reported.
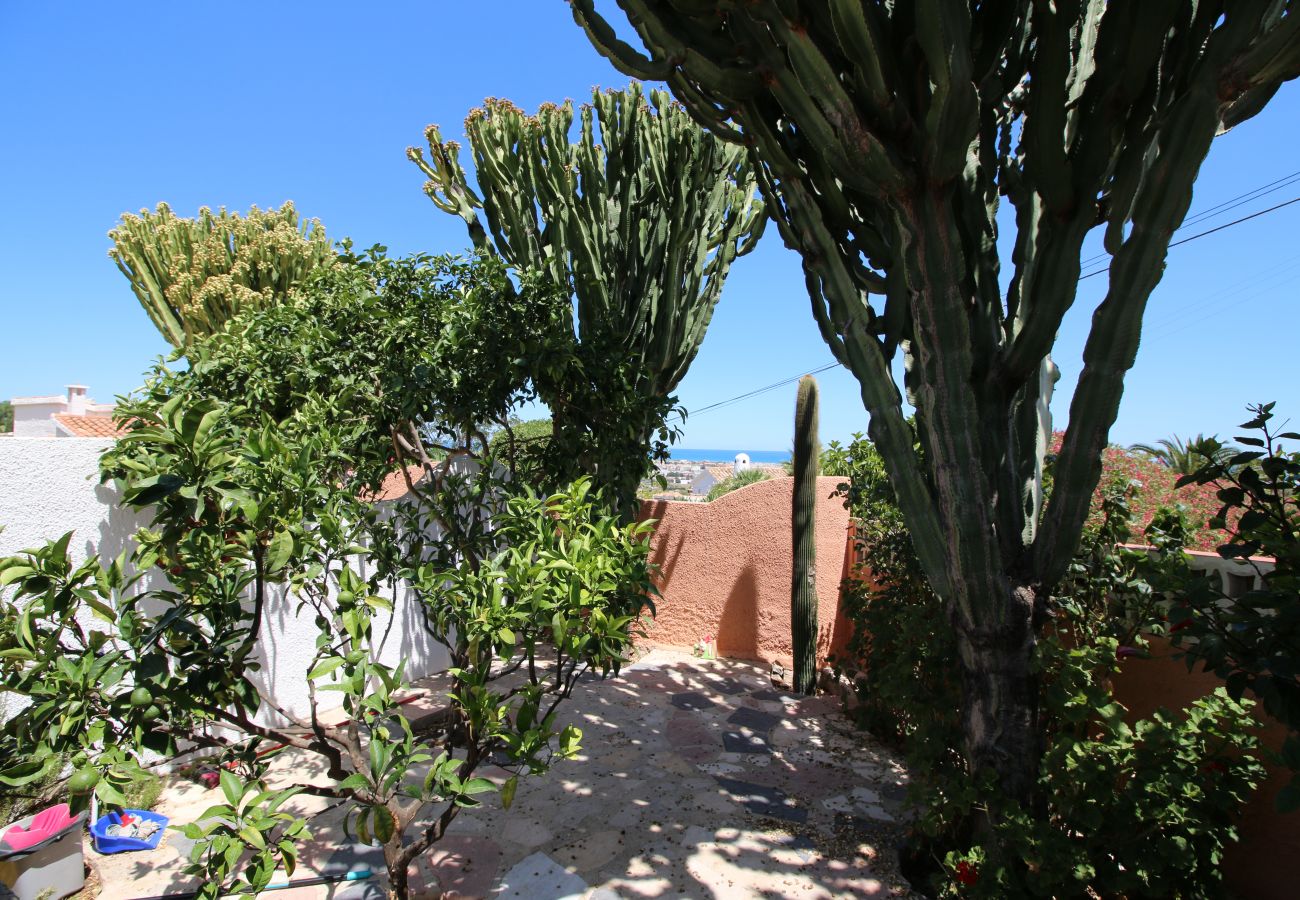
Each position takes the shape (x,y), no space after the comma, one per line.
(712,475)
(75,415)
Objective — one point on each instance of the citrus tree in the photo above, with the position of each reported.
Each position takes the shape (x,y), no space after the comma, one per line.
(259,473)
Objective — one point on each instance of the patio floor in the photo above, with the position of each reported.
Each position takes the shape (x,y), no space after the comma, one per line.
(697,779)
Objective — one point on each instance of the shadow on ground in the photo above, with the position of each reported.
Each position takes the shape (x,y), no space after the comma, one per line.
(697,779)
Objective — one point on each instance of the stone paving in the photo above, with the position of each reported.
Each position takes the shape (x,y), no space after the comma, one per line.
(697,779)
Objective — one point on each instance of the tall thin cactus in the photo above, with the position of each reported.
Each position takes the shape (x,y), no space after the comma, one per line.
(803,520)
(885,136)
(641,219)
(193,275)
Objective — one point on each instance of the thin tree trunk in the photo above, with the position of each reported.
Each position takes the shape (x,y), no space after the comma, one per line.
(395,862)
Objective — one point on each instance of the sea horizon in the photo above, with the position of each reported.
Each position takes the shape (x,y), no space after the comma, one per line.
(695,454)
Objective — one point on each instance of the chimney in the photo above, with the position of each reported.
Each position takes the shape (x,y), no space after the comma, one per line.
(741,464)
(76,400)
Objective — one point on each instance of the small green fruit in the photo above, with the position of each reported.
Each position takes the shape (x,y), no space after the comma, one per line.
(83,781)
(141,697)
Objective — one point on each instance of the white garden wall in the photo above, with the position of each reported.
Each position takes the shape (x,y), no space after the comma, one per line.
(49,486)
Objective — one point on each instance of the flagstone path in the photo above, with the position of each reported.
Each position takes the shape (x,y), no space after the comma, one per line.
(697,779)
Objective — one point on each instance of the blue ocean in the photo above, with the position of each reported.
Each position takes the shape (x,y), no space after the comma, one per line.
(715,455)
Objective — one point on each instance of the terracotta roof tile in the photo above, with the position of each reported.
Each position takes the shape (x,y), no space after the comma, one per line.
(88,426)
(394,486)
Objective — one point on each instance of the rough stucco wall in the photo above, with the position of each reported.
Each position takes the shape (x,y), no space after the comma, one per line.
(725,569)
(51,485)
(1261,864)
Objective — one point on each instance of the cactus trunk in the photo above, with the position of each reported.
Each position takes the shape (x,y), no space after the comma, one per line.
(803,582)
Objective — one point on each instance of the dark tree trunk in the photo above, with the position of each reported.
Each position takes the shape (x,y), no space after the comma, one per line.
(395,861)
(1000,697)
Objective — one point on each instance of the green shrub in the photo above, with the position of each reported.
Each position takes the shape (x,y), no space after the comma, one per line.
(143,790)
(22,801)
(1141,809)
(739,480)
(1251,641)
(524,449)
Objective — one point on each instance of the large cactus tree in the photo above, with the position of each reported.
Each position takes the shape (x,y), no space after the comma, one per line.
(885,136)
(193,275)
(641,219)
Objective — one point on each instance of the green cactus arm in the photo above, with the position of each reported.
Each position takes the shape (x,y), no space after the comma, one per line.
(192,275)
(447,185)
(628,60)
(1252,78)
(1112,344)
(641,216)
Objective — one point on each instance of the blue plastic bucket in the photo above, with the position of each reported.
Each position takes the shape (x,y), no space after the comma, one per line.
(106,843)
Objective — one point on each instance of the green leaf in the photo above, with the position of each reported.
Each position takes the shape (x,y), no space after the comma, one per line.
(354,782)
(477,786)
(384,824)
(13,573)
(279,551)
(324,667)
(230,786)
(508,791)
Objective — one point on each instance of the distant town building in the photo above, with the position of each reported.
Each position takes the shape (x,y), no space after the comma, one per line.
(711,475)
(74,415)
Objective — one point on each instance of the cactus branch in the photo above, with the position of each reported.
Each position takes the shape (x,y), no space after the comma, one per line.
(640,218)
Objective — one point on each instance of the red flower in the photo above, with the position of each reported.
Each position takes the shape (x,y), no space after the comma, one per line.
(966,874)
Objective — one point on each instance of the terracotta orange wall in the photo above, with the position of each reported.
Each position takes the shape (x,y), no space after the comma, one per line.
(1262,864)
(725,570)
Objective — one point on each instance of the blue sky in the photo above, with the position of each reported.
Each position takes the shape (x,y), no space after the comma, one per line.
(111,108)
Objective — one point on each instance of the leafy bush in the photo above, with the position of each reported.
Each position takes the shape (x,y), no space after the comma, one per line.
(739,480)
(257,467)
(525,449)
(1251,641)
(1157,487)
(1135,810)
(142,790)
(1140,811)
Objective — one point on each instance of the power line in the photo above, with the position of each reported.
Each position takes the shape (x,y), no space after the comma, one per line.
(1172,319)
(1186,240)
(1254,215)
(1256,292)
(1234,202)
(763,390)
(1219,208)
